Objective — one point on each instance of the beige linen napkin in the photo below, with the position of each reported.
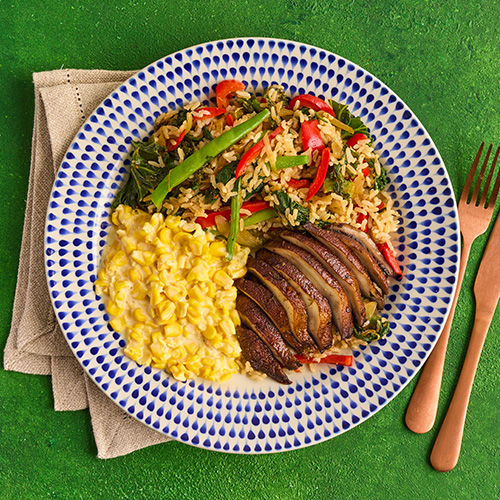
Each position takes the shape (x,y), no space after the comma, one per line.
(63,101)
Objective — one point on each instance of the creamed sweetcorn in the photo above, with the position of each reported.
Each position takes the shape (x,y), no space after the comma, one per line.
(168,288)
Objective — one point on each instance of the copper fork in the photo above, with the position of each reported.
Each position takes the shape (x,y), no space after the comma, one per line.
(475,216)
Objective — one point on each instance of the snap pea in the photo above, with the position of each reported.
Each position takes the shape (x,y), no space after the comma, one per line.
(199,158)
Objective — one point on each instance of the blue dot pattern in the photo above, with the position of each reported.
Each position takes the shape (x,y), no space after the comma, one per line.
(242,415)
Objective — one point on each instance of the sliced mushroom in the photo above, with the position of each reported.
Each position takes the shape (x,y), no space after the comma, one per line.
(254,318)
(318,309)
(334,266)
(259,355)
(288,298)
(270,305)
(371,265)
(367,286)
(365,240)
(322,279)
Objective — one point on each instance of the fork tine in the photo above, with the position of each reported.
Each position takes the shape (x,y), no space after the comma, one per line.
(470,177)
(496,187)
(492,201)
(475,194)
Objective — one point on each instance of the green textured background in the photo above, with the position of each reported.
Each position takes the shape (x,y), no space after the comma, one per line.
(441,58)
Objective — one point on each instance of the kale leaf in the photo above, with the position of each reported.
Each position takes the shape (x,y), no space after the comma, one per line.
(343,114)
(336,183)
(143,177)
(286,202)
(380,181)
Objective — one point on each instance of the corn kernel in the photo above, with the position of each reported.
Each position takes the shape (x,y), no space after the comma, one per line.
(165,235)
(225,376)
(166,311)
(198,273)
(218,248)
(102,275)
(235,317)
(227,327)
(128,244)
(144,258)
(179,352)
(222,279)
(173,330)
(191,348)
(172,221)
(175,292)
(205,371)
(133,275)
(119,258)
(182,238)
(140,315)
(113,308)
(181,309)
(158,349)
(139,291)
(118,324)
(210,332)
(133,353)
(157,296)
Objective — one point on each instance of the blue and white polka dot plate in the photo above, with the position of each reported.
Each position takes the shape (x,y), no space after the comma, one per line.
(241,415)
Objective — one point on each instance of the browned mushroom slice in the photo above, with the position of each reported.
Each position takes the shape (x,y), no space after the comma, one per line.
(319,313)
(322,280)
(367,286)
(270,305)
(364,239)
(254,318)
(256,352)
(371,265)
(334,266)
(287,296)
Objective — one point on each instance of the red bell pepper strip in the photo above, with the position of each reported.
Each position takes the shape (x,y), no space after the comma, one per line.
(389,257)
(171,147)
(230,120)
(381,205)
(311,136)
(366,171)
(224,90)
(320,174)
(334,359)
(313,102)
(208,112)
(253,152)
(299,183)
(355,139)
(251,206)
(362,217)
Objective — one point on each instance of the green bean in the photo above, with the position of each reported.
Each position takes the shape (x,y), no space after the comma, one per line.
(291,161)
(260,216)
(234,223)
(200,157)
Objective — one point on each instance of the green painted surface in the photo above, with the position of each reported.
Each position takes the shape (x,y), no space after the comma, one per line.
(441,58)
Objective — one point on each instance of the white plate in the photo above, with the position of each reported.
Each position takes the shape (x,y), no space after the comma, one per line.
(241,415)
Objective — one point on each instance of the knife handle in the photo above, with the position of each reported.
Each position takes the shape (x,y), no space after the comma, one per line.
(446,450)
(421,412)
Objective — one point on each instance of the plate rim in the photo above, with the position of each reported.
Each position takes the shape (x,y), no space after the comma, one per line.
(246,39)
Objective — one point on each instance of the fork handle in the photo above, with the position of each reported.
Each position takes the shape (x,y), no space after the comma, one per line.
(446,450)
(422,409)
